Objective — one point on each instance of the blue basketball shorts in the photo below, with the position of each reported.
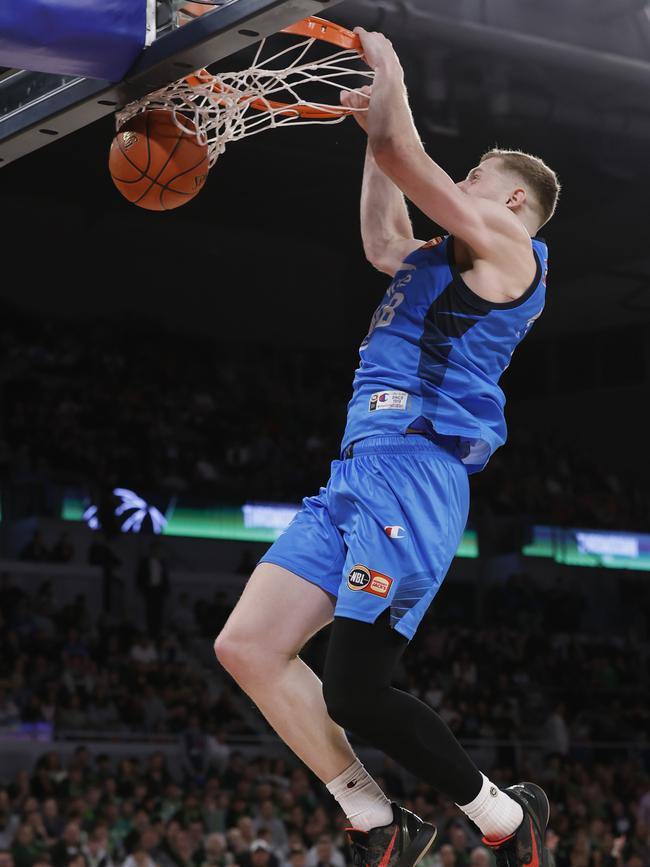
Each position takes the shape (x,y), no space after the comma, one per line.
(384,530)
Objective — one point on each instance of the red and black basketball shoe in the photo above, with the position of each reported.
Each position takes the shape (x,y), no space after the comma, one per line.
(402,843)
(525,848)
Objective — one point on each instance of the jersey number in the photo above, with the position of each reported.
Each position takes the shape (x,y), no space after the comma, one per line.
(385,313)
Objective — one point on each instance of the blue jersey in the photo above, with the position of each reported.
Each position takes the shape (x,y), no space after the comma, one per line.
(434,355)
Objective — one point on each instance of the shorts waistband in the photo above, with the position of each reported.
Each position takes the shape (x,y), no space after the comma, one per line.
(396,444)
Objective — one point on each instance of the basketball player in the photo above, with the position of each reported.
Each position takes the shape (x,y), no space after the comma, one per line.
(371,549)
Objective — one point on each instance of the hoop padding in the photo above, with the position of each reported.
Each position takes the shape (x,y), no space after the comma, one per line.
(231,105)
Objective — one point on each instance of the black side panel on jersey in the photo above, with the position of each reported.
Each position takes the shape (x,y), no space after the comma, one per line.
(449,317)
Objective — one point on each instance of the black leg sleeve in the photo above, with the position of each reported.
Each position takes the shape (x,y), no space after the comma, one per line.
(361,659)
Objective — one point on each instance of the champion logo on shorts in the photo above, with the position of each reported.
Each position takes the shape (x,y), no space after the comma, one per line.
(395,532)
(362,578)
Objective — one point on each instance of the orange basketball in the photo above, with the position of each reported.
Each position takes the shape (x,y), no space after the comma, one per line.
(155,164)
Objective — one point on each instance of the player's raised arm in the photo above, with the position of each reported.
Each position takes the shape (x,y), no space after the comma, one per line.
(386,227)
(399,153)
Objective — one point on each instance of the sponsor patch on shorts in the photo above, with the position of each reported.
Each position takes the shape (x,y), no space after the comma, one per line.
(379,584)
(388,400)
(362,578)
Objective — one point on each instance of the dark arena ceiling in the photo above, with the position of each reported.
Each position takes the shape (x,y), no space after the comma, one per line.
(566,79)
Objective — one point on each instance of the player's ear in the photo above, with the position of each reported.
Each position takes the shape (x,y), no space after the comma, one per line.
(516,198)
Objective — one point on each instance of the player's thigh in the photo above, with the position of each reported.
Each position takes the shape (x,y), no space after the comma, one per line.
(277,613)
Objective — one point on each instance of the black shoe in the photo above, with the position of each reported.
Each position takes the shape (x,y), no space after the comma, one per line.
(525,848)
(403,843)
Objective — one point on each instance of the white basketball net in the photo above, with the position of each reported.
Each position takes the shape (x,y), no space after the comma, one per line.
(231,105)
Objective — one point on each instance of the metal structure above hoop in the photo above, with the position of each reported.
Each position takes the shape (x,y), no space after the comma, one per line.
(39,108)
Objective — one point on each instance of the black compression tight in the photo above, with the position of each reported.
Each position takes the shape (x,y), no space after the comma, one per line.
(361,659)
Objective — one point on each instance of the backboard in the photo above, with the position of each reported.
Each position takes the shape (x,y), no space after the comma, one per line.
(38,108)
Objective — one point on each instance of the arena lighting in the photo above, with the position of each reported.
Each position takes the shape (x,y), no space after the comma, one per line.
(133,509)
(605,549)
(608,544)
(264,522)
(276,516)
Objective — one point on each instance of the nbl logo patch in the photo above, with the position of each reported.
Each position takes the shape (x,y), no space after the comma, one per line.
(359,578)
(362,578)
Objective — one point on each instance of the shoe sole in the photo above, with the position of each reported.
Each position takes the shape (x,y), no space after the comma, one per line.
(548,860)
(546,801)
(422,841)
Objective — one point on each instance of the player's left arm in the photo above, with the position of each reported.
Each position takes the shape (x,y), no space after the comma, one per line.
(399,153)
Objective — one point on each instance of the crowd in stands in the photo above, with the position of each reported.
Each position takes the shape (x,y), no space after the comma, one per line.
(91,811)
(528,670)
(62,666)
(169,414)
(580,696)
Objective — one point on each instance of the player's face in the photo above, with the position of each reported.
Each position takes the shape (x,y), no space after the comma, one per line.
(487,181)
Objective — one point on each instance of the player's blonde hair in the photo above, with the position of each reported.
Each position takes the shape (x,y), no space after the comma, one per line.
(541,180)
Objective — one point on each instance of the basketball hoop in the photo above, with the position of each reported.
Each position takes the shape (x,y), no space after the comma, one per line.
(229,106)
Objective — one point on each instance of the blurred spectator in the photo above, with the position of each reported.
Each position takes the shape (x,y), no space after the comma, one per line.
(556,732)
(444,857)
(216,851)
(195,748)
(457,836)
(9,713)
(25,848)
(63,550)
(644,809)
(296,856)
(35,550)
(144,651)
(8,823)
(101,554)
(68,846)
(268,819)
(141,858)
(324,854)
(259,855)
(218,751)
(480,857)
(153,583)
(96,849)
(182,619)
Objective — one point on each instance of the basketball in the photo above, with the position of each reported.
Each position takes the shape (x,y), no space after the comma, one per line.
(155,164)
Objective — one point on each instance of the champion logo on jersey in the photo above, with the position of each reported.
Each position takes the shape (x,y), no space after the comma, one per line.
(395,532)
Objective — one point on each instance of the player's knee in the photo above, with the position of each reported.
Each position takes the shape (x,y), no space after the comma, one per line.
(347,704)
(233,654)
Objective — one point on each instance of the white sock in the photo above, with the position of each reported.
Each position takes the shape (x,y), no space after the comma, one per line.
(497,814)
(361,799)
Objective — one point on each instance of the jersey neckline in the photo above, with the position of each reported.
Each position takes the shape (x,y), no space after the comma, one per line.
(482,302)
